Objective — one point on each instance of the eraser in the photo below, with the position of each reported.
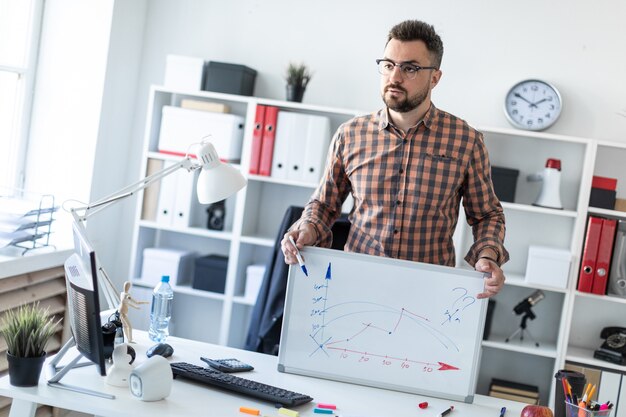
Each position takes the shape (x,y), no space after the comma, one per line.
(322,411)
(329,406)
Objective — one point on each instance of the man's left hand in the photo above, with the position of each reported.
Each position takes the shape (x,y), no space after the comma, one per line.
(493,283)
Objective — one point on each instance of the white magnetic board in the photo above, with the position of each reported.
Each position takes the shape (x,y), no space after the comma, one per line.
(384,322)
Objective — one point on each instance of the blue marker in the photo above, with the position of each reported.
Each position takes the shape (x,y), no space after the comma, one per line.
(502,412)
(299,257)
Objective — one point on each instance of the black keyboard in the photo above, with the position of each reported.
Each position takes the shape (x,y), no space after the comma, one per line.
(210,376)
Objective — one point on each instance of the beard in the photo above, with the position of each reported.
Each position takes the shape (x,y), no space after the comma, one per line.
(405,104)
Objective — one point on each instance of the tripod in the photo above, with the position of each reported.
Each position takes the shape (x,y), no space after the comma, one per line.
(522,328)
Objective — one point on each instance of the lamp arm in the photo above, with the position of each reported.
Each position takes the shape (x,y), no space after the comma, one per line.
(82,213)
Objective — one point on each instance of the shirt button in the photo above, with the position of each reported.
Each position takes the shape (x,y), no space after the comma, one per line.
(405,140)
(401,171)
(399,202)
(395,231)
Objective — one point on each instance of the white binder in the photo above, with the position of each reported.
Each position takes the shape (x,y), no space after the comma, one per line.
(317,142)
(182,127)
(167,192)
(297,146)
(301,145)
(184,194)
(285,129)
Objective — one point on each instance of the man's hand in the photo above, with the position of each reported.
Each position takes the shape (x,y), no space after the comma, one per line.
(493,283)
(303,236)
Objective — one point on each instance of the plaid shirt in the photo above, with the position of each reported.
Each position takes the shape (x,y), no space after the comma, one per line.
(407,189)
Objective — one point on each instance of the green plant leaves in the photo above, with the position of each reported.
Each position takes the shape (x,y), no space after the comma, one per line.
(27,329)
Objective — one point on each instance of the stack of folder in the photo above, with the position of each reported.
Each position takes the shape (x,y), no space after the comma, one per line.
(514,391)
(597,255)
(289,145)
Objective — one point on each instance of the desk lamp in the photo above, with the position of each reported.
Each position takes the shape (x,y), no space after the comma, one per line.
(216,182)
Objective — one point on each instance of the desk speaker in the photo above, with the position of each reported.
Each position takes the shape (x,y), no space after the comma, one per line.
(152,380)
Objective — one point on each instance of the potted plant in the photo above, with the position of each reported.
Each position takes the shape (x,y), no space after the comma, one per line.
(297,77)
(27,330)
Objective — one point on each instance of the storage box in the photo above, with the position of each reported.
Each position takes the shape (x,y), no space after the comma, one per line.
(504,182)
(604,182)
(548,266)
(178,264)
(602,198)
(210,273)
(184,73)
(620,204)
(182,127)
(229,78)
(254,280)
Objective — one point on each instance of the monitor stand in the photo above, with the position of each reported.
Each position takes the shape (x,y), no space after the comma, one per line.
(55,373)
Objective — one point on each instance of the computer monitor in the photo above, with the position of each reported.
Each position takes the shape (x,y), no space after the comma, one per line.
(81,276)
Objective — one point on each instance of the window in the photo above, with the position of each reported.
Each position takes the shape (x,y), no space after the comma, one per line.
(20,24)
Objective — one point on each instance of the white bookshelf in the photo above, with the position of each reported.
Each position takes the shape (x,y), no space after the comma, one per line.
(255,213)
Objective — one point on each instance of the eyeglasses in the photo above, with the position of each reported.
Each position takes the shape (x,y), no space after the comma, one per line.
(409,71)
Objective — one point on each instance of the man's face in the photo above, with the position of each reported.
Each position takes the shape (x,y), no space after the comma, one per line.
(399,93)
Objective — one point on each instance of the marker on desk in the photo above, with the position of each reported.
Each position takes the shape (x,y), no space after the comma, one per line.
(448,411)
(299,257)
(502,411)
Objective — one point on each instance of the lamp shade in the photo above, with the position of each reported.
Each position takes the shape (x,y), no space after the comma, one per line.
(217,180)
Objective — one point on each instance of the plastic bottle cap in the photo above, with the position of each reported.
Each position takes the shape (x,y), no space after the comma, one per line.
(165,278)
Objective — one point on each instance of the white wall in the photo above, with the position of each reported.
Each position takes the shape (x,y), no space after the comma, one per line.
(489,46)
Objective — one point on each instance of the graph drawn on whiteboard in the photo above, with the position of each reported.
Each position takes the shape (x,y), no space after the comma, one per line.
(384,322)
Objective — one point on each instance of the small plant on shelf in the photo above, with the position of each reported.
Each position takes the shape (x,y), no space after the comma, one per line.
(297,77)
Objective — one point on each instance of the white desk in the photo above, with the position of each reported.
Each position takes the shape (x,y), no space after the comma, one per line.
(190,399)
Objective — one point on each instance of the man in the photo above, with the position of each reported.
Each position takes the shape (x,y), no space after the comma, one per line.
(407,167)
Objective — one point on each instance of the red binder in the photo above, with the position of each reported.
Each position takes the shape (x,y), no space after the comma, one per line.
(603,260)
(257,139)
(590,253)
(269,136)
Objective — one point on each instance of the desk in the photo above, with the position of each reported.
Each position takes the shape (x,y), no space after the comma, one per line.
(190,399)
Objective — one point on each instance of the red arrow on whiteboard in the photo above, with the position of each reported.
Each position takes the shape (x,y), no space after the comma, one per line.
(446,367)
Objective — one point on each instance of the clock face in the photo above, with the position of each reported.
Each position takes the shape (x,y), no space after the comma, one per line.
(532,105)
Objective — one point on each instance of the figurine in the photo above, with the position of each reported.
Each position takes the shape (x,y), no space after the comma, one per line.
(127,300)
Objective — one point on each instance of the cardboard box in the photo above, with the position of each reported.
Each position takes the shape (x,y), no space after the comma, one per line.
(229,78)
(184,73)
(182,127)
(620,204)
(254,280)
(210,273)
(548,266)
(178,264)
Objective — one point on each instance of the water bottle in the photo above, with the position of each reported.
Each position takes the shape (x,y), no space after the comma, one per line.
(161,310)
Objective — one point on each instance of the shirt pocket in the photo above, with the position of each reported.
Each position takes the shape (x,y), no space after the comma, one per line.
(439,177)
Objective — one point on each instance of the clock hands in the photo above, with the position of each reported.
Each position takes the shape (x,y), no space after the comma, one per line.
(518,95)
(540,101)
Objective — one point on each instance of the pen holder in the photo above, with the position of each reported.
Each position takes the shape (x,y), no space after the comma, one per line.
(572,410)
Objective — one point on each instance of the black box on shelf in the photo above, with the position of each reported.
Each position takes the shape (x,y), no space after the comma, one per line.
(504,182)
(223,77)
(602,198)
(491,305)
(210,273)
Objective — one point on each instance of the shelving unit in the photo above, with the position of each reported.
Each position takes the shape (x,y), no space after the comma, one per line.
(255,213)
(252,220)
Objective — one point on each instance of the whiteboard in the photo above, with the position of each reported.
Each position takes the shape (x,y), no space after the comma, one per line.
(384,322)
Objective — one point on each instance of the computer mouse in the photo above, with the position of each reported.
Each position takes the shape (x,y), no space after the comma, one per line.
(161,349)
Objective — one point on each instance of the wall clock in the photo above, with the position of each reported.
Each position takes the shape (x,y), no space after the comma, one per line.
(532,105)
